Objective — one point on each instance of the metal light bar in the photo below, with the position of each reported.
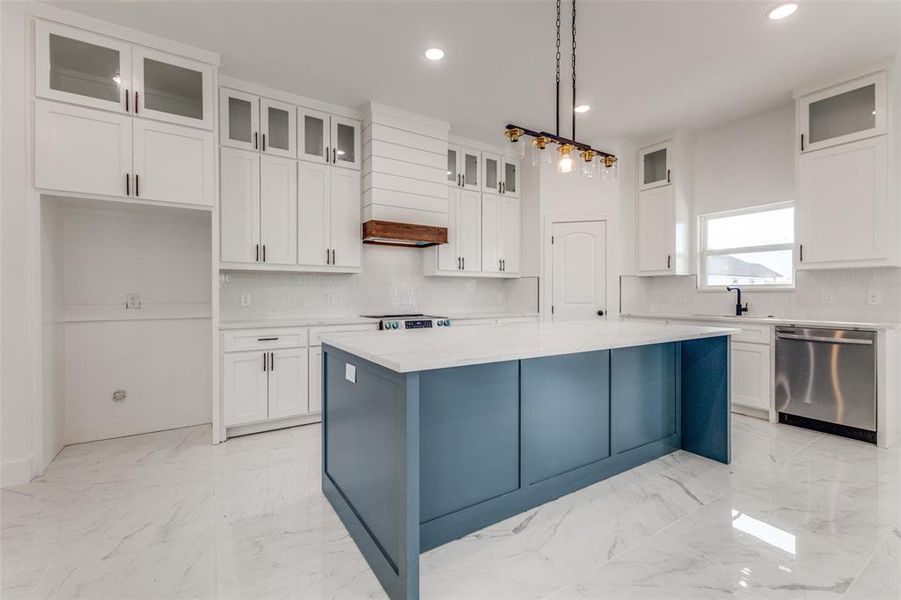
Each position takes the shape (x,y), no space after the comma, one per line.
(559,140)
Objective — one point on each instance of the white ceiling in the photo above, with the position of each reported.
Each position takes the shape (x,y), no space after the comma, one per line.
(643,66)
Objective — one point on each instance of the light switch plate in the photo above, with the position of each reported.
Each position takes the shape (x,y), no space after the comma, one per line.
(874,297)
(828,297)
(245,300)
(350,373)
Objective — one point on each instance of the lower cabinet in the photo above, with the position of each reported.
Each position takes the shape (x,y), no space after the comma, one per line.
(315,404)
(264,385)
(751,376)
(288,383)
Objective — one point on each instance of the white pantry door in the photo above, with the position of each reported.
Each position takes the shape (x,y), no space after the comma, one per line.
(579,276)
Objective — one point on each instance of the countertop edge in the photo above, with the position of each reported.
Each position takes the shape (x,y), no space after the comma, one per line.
(773,321)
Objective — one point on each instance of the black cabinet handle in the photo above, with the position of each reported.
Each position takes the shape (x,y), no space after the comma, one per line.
(669,261)
(326,154)
(334,154)
(264,360)
(257,259)
(272,361)
(268,339)
(802,142)
(263,147)
(136,102)
(334,262)
(256,140)
(137,184)
(126,101)
(668,180)
(264,252)
(127,184)
(504,187)
(801,258)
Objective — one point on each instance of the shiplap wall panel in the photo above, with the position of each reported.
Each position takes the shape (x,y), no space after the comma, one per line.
(406,154)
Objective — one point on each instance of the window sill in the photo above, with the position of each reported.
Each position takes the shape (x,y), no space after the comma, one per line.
(748,289)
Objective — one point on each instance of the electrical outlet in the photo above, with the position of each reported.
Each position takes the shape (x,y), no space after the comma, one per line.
(331,299)
(500,298)
(874,297)
(828,297)
(245,300)
(132,301)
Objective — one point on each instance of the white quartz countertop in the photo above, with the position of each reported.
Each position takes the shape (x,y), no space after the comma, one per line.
(766,320)
(420,350)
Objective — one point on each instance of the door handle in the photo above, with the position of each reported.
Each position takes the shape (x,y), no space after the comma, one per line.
(334,156)
(668,176)
(600,313)
(669,261)
(268,339)
(334,260)
(264,361)
(802,142)
(127,184)
(137,189)
(263,147)
(256,139)
(136,102)
(257,259)
(824,340)
(326,154)
(126,101)
(272,361)
(328,260)
(264,252)
(504,187)
(801,258)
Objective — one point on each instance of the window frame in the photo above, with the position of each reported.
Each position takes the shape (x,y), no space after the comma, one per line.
(703,252)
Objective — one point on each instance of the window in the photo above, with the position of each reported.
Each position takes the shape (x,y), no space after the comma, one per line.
(749,247)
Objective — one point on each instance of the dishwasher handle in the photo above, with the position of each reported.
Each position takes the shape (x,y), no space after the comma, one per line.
(825,340)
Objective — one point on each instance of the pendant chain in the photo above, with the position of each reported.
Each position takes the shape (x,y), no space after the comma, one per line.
(574,69)
(557,114)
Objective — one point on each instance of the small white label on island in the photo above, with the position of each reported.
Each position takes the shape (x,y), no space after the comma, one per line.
(350,373)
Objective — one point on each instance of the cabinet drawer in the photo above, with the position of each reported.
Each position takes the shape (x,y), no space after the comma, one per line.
(263,339)
(315,332)
(754,334)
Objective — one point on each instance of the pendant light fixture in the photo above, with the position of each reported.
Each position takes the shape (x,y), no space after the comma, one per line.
(591,161)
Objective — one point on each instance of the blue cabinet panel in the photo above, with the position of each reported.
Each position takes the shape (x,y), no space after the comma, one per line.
(706,425)
(365,446)
(568,399)
(469,436)
(643,395)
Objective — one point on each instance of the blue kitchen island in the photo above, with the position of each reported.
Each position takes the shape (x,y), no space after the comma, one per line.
(429,435)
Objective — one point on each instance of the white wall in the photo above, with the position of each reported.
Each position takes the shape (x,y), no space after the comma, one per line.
(19,406)
(53,331)
(159,354)
(391,282)
(748,163)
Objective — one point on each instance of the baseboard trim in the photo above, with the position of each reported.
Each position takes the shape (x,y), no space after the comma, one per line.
(16,472)
(239,430)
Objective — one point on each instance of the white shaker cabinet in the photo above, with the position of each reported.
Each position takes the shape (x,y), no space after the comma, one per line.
(655,166)
(656,231)
(344,218)
(245,387)
(850,111)
(278,130)
(278,210)
(750,369)
(329,139)
(174,164)
(313,215)
(82,150)
(239,119)
(464,167)
(239,206)
(288,383)
(843,205)
(315,399)
(462,253)
(500,234)
(500,175)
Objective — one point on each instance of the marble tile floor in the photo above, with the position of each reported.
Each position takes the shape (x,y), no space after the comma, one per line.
(167,515)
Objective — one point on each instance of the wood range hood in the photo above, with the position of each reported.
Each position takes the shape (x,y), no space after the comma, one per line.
(409,235)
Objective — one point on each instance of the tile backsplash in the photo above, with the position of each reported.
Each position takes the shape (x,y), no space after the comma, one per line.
(391,282)
(840,294)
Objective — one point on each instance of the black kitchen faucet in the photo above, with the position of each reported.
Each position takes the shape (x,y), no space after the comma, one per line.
(739,309)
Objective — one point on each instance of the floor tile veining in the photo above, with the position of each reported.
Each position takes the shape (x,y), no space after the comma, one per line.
(167,515)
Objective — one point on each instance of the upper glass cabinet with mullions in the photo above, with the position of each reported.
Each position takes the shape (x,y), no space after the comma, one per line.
(328,138)
(464,167)
(251,122)
(654,166)
(92,70)
(844,113)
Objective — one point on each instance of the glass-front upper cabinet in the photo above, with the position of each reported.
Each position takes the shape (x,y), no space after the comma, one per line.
(81,67)
(345,141)
(171,88)
(453,173)
(239,123)
(491,173)
(654,167)
(277,128)
(843,113)
(470,168)
(312,135)
(511,178)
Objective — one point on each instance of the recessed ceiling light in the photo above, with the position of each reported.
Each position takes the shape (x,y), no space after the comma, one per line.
(582,108)
(781,11)
(434,54)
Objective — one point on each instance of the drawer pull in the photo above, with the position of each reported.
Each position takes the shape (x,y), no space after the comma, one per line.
(267,339)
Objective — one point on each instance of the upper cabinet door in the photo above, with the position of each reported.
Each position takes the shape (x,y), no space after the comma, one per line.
(82,150)
(313,214)
(471,168)
(80,67)
(171,88)
(278,210)
(491,173)
(448,255)
(844,113)
(346,235)
(453,167)
(278,128)
(511,215)
(345,140)
(492,234)
(313,136)
(510,183)
(654,167)
(239,206)
(239,119)
(469,237)
(174,164)
(656,231)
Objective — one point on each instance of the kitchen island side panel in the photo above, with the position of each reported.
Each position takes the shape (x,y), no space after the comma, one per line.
(370,463)
(706,408)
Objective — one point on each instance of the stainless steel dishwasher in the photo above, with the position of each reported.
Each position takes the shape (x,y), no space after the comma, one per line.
(826,380)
